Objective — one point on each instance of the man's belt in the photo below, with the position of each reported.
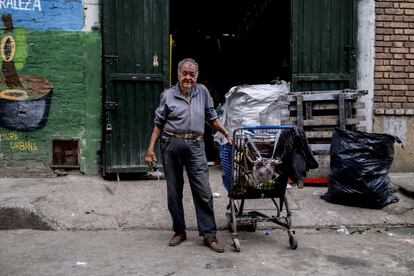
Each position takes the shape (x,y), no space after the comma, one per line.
(185,136)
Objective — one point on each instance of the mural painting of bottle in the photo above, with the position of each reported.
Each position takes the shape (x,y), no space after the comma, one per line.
(24,100)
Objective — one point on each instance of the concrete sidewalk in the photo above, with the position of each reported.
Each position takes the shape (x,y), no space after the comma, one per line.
(77,202)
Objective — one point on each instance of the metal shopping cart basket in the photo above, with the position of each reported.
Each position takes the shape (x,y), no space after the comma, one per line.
(253,170)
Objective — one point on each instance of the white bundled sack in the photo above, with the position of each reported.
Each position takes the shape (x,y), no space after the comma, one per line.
(245,103)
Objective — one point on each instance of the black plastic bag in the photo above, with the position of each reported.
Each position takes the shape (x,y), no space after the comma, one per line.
(360,163)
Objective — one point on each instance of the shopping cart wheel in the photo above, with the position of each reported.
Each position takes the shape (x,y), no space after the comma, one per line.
(236,244)
(293,242)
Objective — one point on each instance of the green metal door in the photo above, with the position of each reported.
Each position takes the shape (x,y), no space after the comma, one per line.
(323,44)
(136,64)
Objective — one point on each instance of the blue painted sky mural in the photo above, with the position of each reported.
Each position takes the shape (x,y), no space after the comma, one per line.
(44,15)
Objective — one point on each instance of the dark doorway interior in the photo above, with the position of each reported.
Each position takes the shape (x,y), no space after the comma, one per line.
(234,41)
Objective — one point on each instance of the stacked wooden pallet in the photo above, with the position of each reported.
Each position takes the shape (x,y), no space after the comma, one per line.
(319,112)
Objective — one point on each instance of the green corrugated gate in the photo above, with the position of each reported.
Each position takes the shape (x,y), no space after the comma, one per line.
(136,60)
(323,44)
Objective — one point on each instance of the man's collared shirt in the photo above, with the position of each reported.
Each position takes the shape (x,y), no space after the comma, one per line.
(179,114)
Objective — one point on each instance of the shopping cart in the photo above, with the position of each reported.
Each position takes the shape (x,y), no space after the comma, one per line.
(253,170)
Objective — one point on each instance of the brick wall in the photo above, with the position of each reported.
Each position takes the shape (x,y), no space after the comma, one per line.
(394,57)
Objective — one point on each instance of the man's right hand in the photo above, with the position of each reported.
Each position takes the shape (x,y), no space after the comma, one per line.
(150,157)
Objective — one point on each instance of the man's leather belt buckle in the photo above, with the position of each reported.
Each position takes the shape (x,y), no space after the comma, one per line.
(188,136)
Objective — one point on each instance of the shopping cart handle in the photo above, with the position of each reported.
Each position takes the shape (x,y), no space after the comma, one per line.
(266,127)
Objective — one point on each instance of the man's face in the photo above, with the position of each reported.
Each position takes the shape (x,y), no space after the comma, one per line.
(187,76)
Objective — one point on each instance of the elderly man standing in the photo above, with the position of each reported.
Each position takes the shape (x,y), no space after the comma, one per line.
(179,123)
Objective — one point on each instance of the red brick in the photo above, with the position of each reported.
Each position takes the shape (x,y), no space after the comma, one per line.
(382,105)
(398,18)
(383,44)
(383,81)
(408,105)
(379,11)
(377,98)
(400,50)
(398,69)
(383,56)
(398,94)
(409,69)
(398,81)
(383,68)
(383,4)
(409,56)
(397,44)
(396,105)
(410,99)
(399,111)
(385,18)
(409,44)
(394,11)
(398,75)
(398,87)
(399,38)
(383,93)
(407,5)
(384,31)
(397,99)
(398,56)
(409,18)
(400,25)
(401,62)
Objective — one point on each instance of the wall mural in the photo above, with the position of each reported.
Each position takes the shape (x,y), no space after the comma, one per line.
(16,144)
(25,100)
(45,14)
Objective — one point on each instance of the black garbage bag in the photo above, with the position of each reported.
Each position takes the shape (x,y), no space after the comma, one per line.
(360,163)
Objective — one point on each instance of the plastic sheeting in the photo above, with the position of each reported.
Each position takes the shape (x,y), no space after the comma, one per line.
(254,105)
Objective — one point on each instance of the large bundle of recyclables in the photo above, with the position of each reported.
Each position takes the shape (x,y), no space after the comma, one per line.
(252,105)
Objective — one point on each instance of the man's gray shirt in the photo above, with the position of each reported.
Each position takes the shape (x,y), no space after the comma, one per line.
(177,114)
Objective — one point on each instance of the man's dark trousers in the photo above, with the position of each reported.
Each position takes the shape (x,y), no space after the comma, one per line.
(178,153)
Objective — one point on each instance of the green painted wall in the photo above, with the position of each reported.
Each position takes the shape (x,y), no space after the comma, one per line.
(71,61)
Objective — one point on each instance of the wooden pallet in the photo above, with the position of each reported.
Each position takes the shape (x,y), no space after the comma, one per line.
(319,112)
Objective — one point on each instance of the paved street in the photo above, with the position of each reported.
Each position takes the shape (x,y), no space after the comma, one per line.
(144,252)
(122,228)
